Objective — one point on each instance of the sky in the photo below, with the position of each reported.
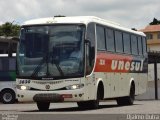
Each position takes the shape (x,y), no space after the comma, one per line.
(129,13)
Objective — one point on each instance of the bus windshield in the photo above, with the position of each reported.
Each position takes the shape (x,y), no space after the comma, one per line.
(51,51)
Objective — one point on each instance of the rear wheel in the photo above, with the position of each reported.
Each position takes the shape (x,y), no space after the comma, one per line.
(129,100)
(43,106)
(8,96)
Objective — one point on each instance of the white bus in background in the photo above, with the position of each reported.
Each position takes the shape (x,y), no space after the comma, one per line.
(7,78)
(81,59)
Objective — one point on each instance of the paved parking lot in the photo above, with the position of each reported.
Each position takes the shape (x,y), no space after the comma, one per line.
(108,107)
(66,111)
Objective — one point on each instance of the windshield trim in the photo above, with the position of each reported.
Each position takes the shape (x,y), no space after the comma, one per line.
(54,24)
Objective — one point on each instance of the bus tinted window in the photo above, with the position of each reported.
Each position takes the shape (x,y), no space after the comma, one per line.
(1,67)
(140,45)
(110,39)
(119,42)
(12,64)
(134,45)
(127,43)
(4,64)
(144,45)
(100,38)
(91,37)
(91,34)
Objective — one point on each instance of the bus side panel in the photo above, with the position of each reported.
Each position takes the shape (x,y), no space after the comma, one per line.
(124,80)
(121,70)
(90,87)
(8,85)
(105,78)
(115,84)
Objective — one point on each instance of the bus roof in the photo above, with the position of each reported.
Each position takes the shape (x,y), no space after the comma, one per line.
(80,19)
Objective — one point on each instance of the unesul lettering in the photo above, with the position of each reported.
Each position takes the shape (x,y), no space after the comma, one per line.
(127,65)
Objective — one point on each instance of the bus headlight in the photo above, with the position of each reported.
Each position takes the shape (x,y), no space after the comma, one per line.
(76,86)
(22,87)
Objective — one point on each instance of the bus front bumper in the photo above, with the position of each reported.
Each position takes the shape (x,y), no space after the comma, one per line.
(50,96)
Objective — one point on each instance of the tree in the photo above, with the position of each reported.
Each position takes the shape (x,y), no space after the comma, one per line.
(9,29)
(155,22)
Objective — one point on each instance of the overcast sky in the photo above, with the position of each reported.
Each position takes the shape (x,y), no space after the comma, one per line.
(129,13)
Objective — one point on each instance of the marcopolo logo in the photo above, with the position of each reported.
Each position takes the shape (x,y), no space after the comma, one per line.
(47,87)
(127,65)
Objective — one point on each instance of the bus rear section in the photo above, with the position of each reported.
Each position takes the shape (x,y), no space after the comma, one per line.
(7,79)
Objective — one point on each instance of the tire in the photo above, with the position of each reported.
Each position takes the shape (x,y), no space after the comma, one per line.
(93,104)
(8,97)
(83,105)
(43,106)
(129,100)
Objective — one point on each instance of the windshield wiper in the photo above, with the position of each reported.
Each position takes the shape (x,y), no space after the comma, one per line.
(57,65)
(37,69)
(45,58)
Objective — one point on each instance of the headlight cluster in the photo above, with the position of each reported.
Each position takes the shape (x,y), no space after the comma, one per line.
(73,87)
(24,81)
(22,87)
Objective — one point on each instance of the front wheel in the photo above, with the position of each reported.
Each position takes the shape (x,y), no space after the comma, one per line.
(8,96)
(43,106)
(92,104)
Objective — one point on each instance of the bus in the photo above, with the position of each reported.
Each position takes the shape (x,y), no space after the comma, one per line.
(7,78)
(81,59)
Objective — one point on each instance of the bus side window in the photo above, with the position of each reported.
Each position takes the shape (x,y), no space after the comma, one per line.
(127,43)
(110,40)
(134,45)
(140,45)
(12,64)
(5,65)
(1,65)
(119,42)
(100,38)
(91,37)
(144,46)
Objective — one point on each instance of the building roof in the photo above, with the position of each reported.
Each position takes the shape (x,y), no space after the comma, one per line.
(8,39)
(151,28)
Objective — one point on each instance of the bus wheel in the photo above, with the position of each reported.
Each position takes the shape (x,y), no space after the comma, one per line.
(43,106)
(93,104)
(83,105)
(8,96)
(129,100)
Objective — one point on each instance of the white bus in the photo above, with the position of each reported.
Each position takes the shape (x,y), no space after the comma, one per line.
(7,78)
(80,59)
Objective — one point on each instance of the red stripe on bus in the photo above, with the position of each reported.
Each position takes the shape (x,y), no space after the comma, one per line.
(107,62)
